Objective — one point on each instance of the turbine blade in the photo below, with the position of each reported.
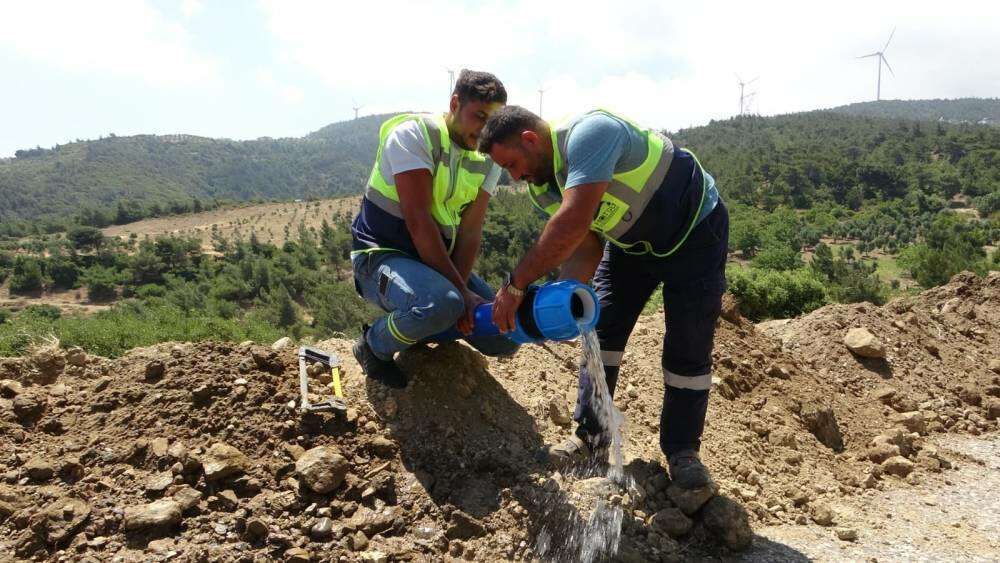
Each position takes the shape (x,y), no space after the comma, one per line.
(890,39)
(884,60)
(754,80)
(871,55)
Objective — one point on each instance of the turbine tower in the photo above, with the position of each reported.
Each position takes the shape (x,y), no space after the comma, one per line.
(744,97)
(451,80)
(880,56)
(541,93)
(356,108)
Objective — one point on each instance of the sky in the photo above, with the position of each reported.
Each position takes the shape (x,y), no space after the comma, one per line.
(245,69)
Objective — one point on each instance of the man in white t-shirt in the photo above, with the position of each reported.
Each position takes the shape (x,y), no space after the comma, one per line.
(418,232)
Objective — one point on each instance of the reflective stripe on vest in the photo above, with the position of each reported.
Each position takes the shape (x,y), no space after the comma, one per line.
(450,193)
(628,192)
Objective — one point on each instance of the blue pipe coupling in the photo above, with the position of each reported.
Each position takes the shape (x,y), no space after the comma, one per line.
(552,311)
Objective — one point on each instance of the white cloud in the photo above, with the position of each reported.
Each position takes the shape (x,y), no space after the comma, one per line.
(266,81)
(665,64)
(191,8)
(118,37)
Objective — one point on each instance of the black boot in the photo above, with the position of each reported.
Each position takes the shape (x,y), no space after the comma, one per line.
(385,372)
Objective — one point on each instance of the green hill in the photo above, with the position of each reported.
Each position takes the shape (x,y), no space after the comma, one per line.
(801,160)
(158,171)
(985,111)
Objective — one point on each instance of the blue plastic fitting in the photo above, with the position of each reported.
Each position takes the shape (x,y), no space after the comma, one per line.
(552,311)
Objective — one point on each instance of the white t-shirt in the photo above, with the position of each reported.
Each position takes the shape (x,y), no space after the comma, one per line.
(406,149)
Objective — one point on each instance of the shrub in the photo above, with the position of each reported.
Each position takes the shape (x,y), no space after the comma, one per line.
(767,294)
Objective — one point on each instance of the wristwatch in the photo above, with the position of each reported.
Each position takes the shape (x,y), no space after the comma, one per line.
(508,284)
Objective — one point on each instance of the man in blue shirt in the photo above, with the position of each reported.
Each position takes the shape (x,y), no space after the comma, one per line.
(600,176)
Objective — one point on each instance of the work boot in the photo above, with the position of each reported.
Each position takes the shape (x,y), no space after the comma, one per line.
(385,372)
(687,471)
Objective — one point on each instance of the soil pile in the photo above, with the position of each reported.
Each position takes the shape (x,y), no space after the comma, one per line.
(197,451)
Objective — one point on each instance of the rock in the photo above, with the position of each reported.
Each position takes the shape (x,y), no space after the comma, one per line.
(881,452)
(257,529)
(730,308)
(161,546)
(222,461)
(321,469)
(672,521)
(898,466)
(224,501)
(75,356)
(154,370)
(690,500)
(297,554)
(358,541)
(374,556)
(158,447)
(10,388)
(49,362)
(847,534)
(322,529)
(29,407)
(373,522)
(178,451)
(163,513)
(558,412)
(294,451)
(61,520)
(464,527)
(39,469)
(994,365)
(822,422)
(822,514)
(187,497)
(382,447)
(728,521)
(783,437)
(992,408)
(913,421)
(281,343)
(863,343)
(158,482)
(970,395)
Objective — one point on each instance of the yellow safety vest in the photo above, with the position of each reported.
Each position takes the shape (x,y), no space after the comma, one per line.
(450,195)
(628,193)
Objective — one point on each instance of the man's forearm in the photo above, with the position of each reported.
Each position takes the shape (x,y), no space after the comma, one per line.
(427,238)
(465,253)
(561,236)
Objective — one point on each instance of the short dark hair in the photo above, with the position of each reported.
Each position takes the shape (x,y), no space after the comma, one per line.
(476,86)
(505,123)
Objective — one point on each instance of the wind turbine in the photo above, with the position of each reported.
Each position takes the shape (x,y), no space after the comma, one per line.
(356,108)
(744,97)
(881,59)
(541,93)
(451,80)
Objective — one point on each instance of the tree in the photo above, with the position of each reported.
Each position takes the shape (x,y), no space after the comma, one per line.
(27,275)
(85,238)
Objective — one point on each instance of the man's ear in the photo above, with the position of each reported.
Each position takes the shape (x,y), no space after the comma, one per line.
(530,138)
(453,105)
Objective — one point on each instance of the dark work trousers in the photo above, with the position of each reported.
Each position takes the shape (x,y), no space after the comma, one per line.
(694,279)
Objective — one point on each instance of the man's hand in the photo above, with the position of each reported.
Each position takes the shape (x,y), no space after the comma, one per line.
(467,321)
(505,310)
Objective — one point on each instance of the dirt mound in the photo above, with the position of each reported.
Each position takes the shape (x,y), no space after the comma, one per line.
(198,451)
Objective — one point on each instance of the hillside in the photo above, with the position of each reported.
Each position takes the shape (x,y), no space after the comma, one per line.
(984,111)
(805,159)
(138,172)
(192,450)
(798,160)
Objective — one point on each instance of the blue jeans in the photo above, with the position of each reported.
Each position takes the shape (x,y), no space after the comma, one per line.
(422,304)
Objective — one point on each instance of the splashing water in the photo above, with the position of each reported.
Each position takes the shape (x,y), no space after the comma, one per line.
(570,535)
(608,416)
